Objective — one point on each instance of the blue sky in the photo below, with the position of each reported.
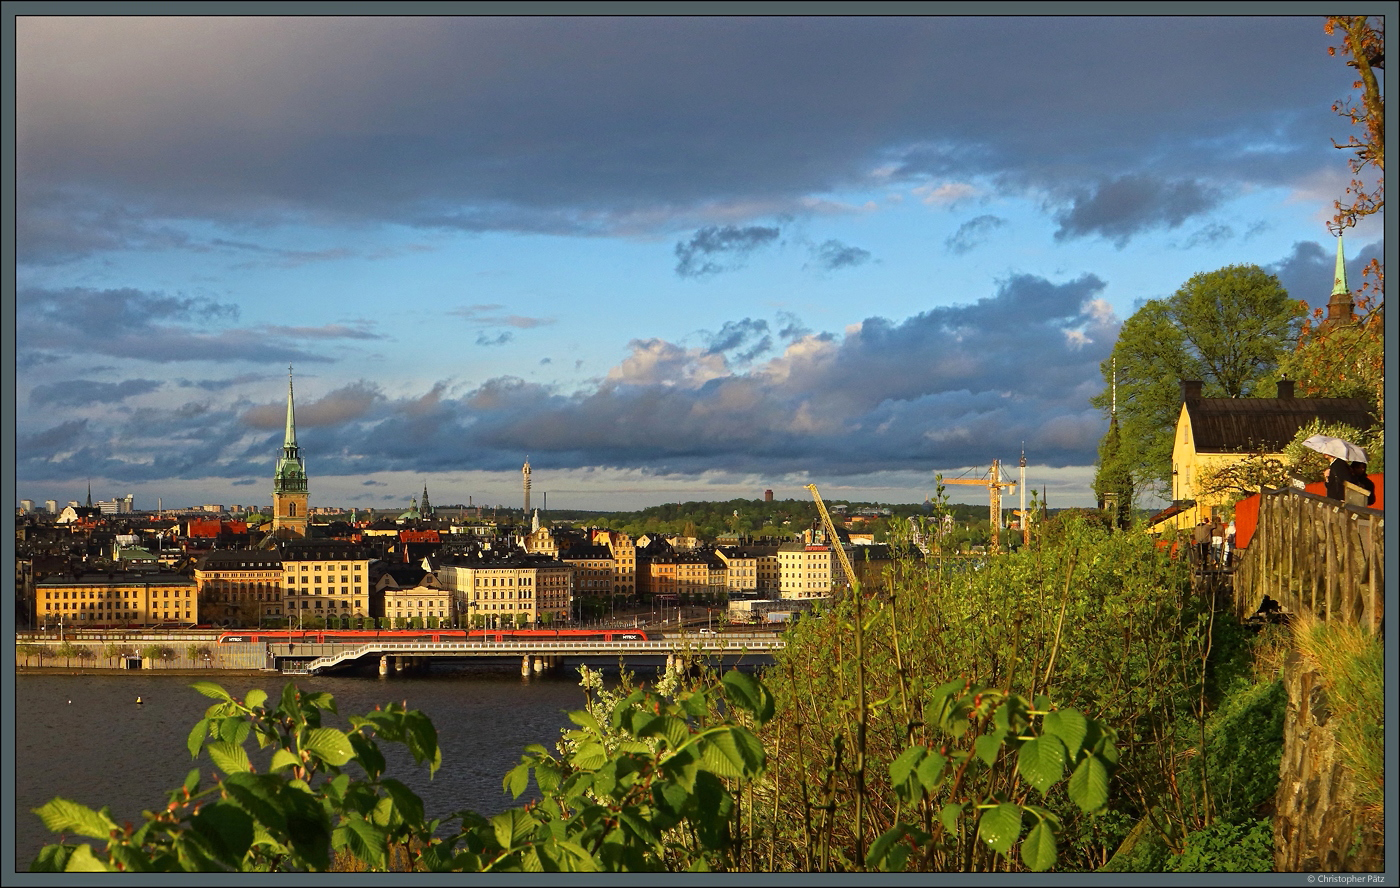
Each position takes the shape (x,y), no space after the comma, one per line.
(664,258)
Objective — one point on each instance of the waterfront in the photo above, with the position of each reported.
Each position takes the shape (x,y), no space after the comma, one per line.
(104,749)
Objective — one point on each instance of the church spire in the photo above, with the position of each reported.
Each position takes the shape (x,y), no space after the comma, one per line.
(1339,307)
(289,443)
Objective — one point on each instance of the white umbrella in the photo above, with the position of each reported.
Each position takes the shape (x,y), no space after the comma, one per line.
(1335,447)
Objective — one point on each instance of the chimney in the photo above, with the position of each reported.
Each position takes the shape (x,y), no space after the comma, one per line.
(1285,388)
(1190,388)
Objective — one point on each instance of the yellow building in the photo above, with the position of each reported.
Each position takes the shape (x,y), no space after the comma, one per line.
(289,488)
(239,587)
(505,590)
(1214,433)
(135,600)
(804,570)
(325,580)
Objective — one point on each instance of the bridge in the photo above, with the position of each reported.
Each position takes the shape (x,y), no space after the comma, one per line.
(300,658)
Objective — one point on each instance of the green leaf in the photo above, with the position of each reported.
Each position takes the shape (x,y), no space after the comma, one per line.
(51,859)
(880,850)
(1088,786)
(908,760)
(210,689)
(931,771)
(512,827)
(230,758)
(227,831)
(283,758)
(63,816)
(259,795)
(367,754)
(195,741)
(1038,851)
(255,698)
(84,861)
(1000,826)
(677,732)
(1070,726)
(987,747)
(585,720)
(949,815)
(590,756)
(330,745)
(732,751)
(1041,761)
(407,804)
(517,779)
(191,784)
(749,694)
(365,840)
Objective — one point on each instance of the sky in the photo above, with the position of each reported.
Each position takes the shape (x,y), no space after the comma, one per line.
(664,259)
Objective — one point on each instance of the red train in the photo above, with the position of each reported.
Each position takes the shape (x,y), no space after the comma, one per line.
(364,636)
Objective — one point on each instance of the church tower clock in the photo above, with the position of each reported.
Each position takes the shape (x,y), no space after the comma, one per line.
(289,495)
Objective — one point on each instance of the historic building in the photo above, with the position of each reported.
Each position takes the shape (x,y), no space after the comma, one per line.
(239,587)
(289,493)
(325,580)
(507,589)
(135,600)
(805,570)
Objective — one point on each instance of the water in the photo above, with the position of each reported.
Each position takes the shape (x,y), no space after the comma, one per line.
(103,749)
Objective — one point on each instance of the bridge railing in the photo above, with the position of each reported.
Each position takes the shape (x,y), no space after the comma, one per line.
(1314,554)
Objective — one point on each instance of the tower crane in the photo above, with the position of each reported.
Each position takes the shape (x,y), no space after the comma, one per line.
(836,542)
(994,486)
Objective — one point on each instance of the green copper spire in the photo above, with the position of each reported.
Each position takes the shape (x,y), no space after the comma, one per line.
(291,471)
(1339,278)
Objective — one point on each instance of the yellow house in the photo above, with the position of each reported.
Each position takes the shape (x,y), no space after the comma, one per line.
(1215,432)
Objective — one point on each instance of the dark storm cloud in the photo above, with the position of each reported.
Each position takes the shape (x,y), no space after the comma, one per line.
(833,254)
(955,385)
(738,334)
(972,232)
(714,248)
(130,323)
(128,126)
(81,392)
(1116,209)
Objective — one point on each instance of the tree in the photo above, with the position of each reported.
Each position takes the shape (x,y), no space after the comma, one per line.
(1113,483)
(1363,38)
(1225,328)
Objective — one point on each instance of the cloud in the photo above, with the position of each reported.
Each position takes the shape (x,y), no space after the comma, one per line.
(736,334)
(81,392)
(947,194)
(488,316)
(248,482)
(833,254)
(972,232)
(345,404)
(694,257)
(1206,236)
(1119,208)
(498,339)
(1307,271)
(132,132)
(129,323)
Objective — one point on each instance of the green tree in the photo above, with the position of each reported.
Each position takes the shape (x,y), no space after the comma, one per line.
(1113,481)
(1225,328)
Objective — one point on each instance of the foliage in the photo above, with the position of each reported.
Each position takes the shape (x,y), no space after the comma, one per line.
(1351,663)
(1343,360)
(1225,328)
(991,641)
(650,788)
(1226,847)
(1363,38)
(1114,478)
(1307,464)
(1259,469)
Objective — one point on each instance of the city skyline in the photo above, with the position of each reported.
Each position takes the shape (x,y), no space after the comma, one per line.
(665,259)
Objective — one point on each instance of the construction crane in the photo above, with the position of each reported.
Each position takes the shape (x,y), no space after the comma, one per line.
(994,486)
(835,541)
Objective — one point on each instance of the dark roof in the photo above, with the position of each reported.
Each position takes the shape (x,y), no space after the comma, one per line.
(586,553)
(1235,425)
(322,550)
(232,559)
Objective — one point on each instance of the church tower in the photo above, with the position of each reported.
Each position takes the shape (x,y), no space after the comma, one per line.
(1340,307)
(525,474)
(289,495)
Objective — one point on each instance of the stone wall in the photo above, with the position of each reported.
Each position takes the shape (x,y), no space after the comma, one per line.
(1317,827)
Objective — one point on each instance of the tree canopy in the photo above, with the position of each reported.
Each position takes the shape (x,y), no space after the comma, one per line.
(1225,328)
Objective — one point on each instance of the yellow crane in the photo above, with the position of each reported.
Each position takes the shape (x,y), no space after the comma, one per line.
(994,486)
(836,546)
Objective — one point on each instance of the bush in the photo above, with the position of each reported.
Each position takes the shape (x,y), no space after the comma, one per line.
(1225,847)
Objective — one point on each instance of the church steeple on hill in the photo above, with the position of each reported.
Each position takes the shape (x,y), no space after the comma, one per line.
(289,487)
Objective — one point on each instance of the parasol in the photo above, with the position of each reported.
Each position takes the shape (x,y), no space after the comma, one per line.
(1335,447)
